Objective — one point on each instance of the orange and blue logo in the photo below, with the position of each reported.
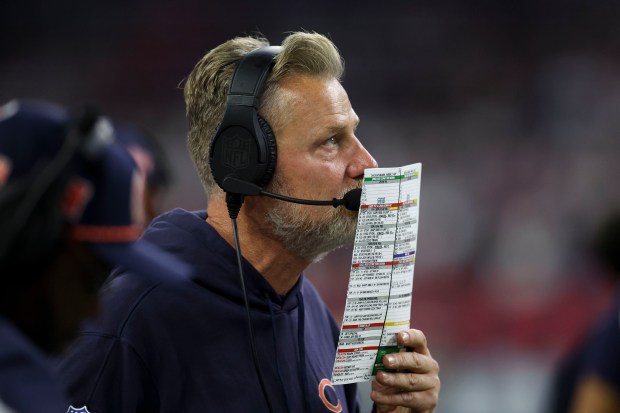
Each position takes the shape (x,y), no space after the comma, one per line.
(328,396)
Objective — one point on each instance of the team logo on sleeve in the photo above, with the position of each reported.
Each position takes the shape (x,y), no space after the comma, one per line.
(82,409)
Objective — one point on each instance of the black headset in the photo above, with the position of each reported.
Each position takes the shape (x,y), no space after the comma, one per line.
(244,151)
(244,146)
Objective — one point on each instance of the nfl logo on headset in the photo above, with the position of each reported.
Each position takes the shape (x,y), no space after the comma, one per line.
(82,409)
(236,152)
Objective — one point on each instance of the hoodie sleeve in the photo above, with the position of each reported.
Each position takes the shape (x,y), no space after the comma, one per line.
(105,375)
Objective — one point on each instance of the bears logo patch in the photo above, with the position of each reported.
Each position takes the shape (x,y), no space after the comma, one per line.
(328,396)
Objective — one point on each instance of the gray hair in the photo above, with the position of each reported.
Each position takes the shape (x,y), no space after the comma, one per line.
(207,85)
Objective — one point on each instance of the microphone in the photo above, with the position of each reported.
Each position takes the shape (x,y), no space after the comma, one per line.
(351,200)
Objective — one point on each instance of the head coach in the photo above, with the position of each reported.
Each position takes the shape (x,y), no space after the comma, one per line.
(251,334)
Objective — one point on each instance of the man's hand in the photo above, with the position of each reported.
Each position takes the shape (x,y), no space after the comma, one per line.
(415,387)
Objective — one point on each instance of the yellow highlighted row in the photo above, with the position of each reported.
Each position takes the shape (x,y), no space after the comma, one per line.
(396,323)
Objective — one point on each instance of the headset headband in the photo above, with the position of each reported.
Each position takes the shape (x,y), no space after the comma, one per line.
(250,76)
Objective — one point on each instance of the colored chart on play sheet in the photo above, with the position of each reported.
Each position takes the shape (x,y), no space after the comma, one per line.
(380,285)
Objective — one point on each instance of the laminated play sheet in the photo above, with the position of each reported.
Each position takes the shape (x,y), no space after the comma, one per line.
(380,285)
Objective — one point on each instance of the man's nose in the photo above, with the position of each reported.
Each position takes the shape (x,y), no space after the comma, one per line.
(362,160)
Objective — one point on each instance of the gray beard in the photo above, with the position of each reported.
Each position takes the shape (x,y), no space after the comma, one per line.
(307,236)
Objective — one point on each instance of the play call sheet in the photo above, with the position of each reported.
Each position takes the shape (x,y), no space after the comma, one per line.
(380,285)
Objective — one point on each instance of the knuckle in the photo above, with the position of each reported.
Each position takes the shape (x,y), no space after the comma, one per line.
(416,360)
(410,397)
(413,380)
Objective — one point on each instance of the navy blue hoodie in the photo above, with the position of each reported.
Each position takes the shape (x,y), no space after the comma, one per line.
(167,347)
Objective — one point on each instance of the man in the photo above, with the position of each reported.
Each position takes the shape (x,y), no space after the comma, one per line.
(68,198)
(187,349)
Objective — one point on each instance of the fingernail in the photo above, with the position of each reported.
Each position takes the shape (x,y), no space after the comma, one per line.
(390,359)
(404,336)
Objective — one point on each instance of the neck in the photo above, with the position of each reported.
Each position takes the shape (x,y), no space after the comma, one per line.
(280,267)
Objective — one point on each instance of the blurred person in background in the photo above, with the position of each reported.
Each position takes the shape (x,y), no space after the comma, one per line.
(588,380)
(192,349)
(149,155)
(70,209)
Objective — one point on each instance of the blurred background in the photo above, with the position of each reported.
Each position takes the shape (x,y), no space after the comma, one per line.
(512,107)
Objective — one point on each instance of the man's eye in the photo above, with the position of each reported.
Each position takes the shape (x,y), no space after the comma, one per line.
(331,141)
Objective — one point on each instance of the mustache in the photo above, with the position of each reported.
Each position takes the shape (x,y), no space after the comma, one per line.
(357,185)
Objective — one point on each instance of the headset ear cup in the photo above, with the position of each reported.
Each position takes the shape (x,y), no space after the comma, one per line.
(272,152)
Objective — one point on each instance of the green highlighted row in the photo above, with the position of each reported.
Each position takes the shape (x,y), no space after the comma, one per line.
(384,178)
